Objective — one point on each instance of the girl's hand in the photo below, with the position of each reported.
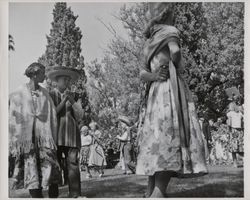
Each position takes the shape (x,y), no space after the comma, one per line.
(162,74)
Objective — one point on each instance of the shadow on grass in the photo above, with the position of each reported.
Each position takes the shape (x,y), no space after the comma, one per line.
(133,190)
(120,188)
(213,190)
(227,183)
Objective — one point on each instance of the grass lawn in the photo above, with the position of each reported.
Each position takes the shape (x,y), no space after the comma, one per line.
(222,181)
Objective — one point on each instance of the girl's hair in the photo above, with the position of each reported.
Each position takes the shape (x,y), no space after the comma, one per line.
(34,69)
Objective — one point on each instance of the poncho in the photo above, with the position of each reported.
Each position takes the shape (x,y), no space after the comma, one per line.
(27,121)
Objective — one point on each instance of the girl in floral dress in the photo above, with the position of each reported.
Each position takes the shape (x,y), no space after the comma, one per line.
(170,142)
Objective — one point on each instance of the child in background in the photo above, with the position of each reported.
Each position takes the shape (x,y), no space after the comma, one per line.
(86,141)
(235,121)
(97,158)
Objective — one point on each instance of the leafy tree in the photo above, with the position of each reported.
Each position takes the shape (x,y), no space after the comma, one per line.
(114,85)
(64,49)
(212,37)
(224,52)
(212,41)
(64,40)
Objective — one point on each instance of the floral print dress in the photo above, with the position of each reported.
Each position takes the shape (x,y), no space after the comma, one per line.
(236,135)
(159,138)
(96,156)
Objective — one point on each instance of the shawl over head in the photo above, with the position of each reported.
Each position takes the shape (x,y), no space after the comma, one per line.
(160,37)
(25,121)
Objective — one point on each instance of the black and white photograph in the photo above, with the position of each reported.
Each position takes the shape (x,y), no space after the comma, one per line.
(126,99)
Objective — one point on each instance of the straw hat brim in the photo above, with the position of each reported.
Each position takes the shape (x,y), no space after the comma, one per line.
(63,71)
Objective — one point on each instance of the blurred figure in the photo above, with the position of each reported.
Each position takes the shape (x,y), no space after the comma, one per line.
(233,102)
(235,121)
(218,123)
(211,123)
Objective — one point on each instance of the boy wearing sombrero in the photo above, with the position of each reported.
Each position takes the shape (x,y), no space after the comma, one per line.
(126,148)
(68,113)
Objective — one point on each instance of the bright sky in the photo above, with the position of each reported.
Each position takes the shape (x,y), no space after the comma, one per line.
(30,22)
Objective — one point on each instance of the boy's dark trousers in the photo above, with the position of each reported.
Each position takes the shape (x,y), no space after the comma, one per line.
(73,171)
(72,167)
(37,193)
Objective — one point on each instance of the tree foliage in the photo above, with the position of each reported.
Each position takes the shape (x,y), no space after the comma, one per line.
(213,49)
(64,41)
(212,42)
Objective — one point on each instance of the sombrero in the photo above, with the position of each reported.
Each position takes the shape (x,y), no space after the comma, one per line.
(125,120)
(63,71)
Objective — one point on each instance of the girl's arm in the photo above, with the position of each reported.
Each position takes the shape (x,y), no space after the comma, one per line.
(147,76)
(59,106)
(160,75)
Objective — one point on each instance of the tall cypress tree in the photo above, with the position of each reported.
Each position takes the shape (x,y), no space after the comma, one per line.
(64,48)
(64,40)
